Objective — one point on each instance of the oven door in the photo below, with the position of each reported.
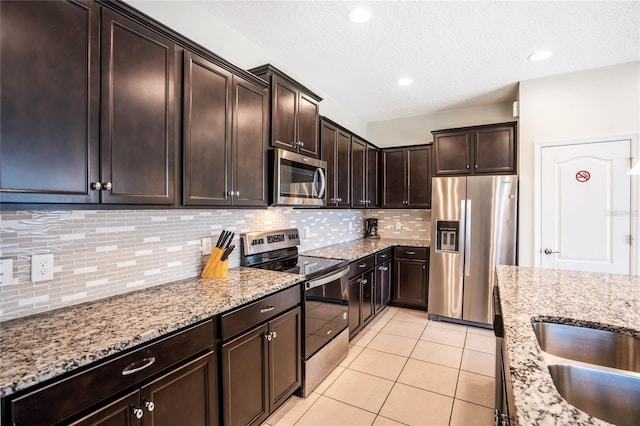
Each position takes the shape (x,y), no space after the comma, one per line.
(326,307)
(298,180)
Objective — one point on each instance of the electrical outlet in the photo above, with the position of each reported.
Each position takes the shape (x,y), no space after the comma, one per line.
(398,225)
(41,267)
(6,271)
(206,246)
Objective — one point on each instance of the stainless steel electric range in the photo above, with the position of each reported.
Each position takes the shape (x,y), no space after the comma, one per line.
(325,298)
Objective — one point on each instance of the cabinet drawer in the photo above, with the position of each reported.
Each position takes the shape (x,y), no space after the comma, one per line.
(266,308)
(384,255)
(52,404)
(361,265)
(420,253)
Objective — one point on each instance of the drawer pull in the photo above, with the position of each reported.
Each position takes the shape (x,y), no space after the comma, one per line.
(411,252)
(383,256)
(362,265)
(267,309)
(134,367)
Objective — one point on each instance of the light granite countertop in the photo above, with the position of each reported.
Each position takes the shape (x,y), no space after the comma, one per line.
(358,249)
(604,301)
(39,347)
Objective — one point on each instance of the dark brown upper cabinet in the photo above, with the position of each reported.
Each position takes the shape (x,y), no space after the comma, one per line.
(224,137)
(489,149)
(336,151)
(49,108)
(373,176)
(406,177)
(294,112)
(138,141)
(364,174)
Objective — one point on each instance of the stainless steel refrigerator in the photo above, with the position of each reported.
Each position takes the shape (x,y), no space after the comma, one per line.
(473,229)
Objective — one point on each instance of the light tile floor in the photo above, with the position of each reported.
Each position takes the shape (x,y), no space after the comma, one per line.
(404,369)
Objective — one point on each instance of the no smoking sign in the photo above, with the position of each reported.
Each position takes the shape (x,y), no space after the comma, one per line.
(583,176)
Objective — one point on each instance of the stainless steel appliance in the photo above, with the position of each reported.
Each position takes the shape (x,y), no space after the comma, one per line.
(371,228)
(473,229)
(325,301)
(297,180)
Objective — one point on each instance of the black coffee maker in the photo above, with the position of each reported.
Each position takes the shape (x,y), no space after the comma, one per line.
(371,228)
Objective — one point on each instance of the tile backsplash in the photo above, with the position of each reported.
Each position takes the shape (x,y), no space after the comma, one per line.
(101,253)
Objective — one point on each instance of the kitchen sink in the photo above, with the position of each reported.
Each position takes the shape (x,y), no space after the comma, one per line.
(603,394)
(600,347)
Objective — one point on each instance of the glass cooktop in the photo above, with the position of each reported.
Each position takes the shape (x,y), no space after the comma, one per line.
(310,267)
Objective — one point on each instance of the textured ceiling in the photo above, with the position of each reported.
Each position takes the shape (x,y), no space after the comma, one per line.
(459,54)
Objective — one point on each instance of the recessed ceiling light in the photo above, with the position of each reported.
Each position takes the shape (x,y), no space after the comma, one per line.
(404,81)
(541,55)
(359,15)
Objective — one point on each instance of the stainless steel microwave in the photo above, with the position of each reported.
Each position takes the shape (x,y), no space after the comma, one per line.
(298,180)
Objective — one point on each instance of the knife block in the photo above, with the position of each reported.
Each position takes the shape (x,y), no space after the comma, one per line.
(216,268)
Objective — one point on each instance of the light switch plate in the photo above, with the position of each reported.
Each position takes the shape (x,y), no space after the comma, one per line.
(6,271)
(41,267)
(206,246)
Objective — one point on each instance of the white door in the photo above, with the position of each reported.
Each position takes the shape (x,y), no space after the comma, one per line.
(585,207)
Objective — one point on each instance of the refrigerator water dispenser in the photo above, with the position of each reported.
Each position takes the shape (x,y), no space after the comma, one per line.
(447,232)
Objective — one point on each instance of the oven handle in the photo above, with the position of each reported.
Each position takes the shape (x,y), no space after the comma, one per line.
(324,280)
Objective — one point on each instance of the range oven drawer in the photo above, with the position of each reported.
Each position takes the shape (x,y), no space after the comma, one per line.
(244,318)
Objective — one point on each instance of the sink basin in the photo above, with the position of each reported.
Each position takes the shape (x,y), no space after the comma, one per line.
(608,396)
(605,348)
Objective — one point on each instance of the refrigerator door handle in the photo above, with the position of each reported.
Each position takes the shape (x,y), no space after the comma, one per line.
(467,239)
(462,234)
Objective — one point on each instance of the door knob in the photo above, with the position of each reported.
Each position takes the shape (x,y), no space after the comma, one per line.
(137,412)
(549,251)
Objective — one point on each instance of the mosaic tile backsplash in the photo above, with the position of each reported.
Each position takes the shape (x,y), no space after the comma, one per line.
(101,253)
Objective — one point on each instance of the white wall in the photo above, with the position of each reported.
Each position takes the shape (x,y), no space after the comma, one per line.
(417,130)
(589,104)
(197,24)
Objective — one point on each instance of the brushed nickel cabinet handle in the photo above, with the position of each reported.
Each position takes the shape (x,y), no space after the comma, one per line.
(267,309)
(137,412)
(411,252)
(136,366)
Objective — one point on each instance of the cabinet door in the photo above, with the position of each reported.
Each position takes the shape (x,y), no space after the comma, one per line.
(328,138)
(206,132)
(249,148)
(343,169)
(372,176)
(452,153)
(358,172)
(393,178)
(355,289)
(494,150)
(245,378)
(410,283)
(285,357)
(383,285)
(137,123)
(185,396)
(118,413)
(308,125)
(419,177)
(283,120)
(49,108)
(367,302)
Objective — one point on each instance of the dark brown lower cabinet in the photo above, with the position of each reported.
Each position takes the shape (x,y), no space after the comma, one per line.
(261,369)
(361,304)
(382,286)
(187,395)
(411,274)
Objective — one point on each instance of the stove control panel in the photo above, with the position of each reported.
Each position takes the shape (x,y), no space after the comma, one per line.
(266,241)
